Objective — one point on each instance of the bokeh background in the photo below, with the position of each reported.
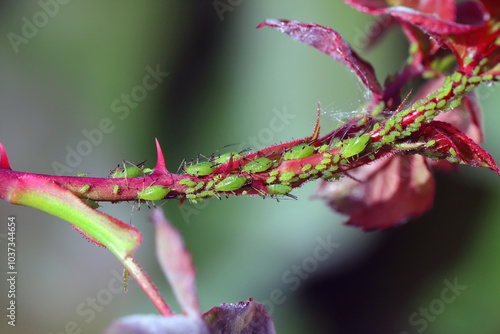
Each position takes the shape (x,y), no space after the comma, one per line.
(227,83)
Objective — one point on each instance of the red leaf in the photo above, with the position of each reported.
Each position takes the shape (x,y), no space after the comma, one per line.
(176,263)
(437,18)
(332,44)
(444,9)
(390,192)
(453,144)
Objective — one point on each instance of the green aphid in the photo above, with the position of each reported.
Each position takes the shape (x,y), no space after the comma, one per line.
(475,79)
(455,103)
(306,167)
(210,184)
(85,188)
(453,152)
(278,189)
(199,185)
(326,175)
(354,146)
(271,179)
(390,123)
(128,170)
(299,152)
(488,77)
(468,88)
(419,119)
(224,158)
(116,188)
(258,165)
(187,182)
(148,170)
(323,148)
(190,190)
(430,112)
(287,176)
(81,174)
(274,172)
(457,77)
(430,143)
(231,183)
(153,193)
(408,146)
(203,168)
(430,106)
(320,167)
(388,139)
(90,203)
(459,89)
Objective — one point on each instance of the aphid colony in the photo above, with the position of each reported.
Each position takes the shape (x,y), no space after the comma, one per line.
(275,171)
(271,172)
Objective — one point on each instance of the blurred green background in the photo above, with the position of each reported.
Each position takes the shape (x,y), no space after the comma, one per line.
(227,83)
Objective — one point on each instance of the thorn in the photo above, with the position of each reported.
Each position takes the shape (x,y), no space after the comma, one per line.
(316,127)
(4,161)
(160,161)
(229,167)
(404,101)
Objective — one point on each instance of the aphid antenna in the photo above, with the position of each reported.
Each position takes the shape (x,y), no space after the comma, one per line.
(181,166)
(212,156)
(248,149)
